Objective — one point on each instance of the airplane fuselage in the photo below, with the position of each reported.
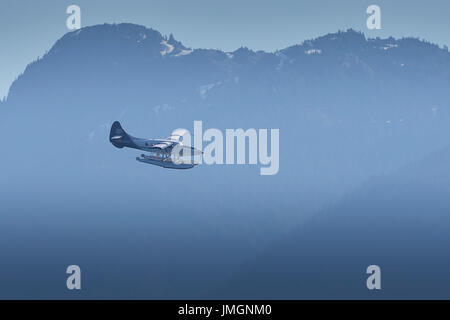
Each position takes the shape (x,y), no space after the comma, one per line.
(147,145)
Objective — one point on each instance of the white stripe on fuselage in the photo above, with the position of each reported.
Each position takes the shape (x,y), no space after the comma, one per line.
(148,144)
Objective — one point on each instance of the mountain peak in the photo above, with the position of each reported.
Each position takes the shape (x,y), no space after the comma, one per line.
(117,38)
(349,36)
(125,30)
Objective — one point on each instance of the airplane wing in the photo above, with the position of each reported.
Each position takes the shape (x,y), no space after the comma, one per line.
(162,145)
(183,151)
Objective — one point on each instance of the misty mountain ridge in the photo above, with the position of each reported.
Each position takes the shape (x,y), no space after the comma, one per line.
(114,49)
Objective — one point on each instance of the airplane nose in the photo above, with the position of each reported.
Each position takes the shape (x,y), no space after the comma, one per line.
(197,152)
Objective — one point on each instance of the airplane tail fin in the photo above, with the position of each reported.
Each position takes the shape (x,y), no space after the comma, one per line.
(118,137)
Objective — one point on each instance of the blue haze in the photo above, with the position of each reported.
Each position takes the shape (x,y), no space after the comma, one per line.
(360,120)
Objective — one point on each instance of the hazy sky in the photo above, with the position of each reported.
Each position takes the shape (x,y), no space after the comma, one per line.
(28,28)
